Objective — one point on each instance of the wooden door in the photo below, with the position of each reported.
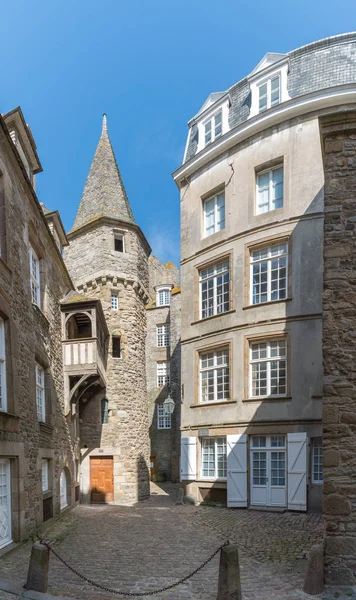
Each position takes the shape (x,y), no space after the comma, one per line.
(101,480)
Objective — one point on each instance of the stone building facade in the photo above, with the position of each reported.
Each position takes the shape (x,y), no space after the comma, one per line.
(338,133)
(108,259)
(74,423)
(252,235)
(163,369)
(37,453)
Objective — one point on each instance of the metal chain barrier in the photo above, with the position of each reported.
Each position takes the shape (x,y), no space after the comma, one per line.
(113,591)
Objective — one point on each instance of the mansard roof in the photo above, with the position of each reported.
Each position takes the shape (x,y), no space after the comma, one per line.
(104,193)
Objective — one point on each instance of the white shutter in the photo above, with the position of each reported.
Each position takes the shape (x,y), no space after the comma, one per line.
(297,471)
(236,470)
(188,459)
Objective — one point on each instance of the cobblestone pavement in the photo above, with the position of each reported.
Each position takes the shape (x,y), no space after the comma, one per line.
(154,543)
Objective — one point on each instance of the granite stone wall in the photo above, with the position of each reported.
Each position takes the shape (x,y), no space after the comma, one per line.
(32,334)
(98,272)
(339,318)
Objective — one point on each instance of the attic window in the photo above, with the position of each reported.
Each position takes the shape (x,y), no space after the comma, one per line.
(119,242)
(213,127)
(269,93)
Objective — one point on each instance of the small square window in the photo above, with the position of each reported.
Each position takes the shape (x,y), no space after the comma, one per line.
(116,346)
(119,242)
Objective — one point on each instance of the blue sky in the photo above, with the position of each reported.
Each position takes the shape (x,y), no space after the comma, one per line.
(149,64)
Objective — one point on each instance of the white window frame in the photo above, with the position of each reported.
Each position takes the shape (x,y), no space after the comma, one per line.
(40,393)
(163,295)
(119,236)
(260,78)
(270,189)
(35,277)
(207,115)
(163,335)
(164,418)
(216,128)
(215,367)
(63,491)
(216,440)
(45,475)
(114,301)
(218,225)
(163,373)
(268,360)
(218,271)
(268,83)
(3,384)
(268,259)
(317,452)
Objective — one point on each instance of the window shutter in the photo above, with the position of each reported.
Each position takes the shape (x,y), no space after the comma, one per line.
(297,471)
(188,459)
(236,470)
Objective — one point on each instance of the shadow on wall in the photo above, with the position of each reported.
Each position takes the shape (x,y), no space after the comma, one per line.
(143,479)
(165,443)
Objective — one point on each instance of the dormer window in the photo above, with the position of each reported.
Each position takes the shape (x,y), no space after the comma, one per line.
(213,127)
(212,121)
(269,93)
(163,296)
(268,87)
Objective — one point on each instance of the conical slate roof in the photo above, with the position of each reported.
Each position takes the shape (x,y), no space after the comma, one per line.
(104,194)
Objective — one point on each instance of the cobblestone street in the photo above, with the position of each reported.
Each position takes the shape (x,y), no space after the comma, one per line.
(154,543)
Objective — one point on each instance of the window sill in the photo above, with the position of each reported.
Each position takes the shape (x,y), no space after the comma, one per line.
(46,428)
(40,313)
(228,312)
(9,422)
(210,480)
(267,398)
(266,303)
(47,494)
(317,483)
(220,403)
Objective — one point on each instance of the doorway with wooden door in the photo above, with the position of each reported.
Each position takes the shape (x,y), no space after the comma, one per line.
(101,480)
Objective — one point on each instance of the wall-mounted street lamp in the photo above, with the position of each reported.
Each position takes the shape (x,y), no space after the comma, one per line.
(169,405)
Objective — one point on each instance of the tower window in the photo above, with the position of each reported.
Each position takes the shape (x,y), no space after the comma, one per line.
(114,301)
(104,411)
(116,346)
(119,242)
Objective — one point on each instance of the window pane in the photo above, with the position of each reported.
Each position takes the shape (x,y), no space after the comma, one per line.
(218,124)
(262,97)
(262,193)
(277,189)
(208,132)
(220,203)
(209,210)
(275,91)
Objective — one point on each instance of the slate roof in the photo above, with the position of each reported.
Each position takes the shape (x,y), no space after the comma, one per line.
(104,193)
(320,65)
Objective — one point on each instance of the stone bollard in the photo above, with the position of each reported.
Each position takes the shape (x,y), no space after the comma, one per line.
(229,587)
(37,577)
(180,496)
(314,578)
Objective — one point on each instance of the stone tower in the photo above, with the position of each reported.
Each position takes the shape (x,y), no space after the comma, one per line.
(107,260)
